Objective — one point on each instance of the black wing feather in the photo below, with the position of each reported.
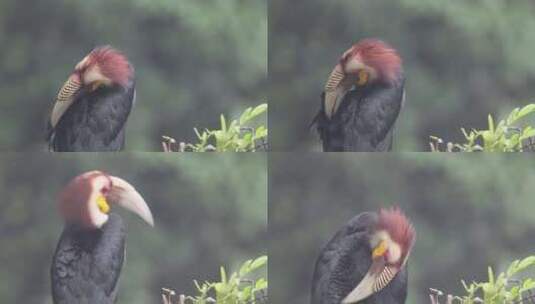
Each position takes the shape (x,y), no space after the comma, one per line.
(344,262)
(95,121)
(87,264)
(364,121)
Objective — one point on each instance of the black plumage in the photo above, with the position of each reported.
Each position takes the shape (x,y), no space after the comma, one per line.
(87,263)
(95,121)
(344,262)
(364,121)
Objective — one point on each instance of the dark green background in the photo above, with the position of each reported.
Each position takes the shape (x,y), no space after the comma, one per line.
(469,212)
(209,210)
(463,60)
(194,60)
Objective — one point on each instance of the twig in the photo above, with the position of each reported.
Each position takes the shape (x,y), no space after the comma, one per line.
(528,144)
(167,143)
(167,295)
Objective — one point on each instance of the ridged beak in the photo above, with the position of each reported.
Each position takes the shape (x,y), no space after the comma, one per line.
(334,90)
(65,98)
(126,196)
(378,276)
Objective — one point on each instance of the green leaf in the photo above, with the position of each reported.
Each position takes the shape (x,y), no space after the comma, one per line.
(245,116)
(259,110)
(491,124)
(259,262)
(261,284)
(491,275)
(223,123)
(488,138)
(512,117)
(502,136)
(530,108)
(524,264)
(528,132)
(261,132)
(235,136)
(223,274)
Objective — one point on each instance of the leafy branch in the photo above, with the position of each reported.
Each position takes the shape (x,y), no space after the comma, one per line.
(500,289)
(236,136)
(238,288)
(506,136)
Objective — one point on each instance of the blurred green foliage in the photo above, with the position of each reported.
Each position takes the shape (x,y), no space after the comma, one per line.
(462,59)
(238,288)
(506,136)
(193,61)
(469,211)
(241,135)
(503,288)
(209,210)
(507,287)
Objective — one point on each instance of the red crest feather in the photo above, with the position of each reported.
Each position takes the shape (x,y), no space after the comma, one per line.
(377,55)
(112,63)
(395,222)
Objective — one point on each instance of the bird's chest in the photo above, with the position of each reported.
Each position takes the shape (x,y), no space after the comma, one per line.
(349,268)
(91,110)
(349,118)
(76,258)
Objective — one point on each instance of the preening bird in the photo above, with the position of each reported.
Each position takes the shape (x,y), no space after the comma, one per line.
(365,261)
(90,253)
(362,99)
(92,107)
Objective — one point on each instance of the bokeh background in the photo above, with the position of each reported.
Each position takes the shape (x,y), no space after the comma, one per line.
(469,212)
(194,60)
(209,211)
(463,60)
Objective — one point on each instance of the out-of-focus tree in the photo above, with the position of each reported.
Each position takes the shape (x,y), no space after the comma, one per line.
(208,210)
(194,60)
(469,213)
(463,60)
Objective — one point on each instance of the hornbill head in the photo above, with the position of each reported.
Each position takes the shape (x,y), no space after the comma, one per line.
(102,67)
(87,200)
(391,241)
(368,62)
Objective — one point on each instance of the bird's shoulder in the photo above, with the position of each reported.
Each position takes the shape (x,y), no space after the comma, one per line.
(355,230)
(340,262)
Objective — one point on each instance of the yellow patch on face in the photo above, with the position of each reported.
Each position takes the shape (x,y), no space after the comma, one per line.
(103,204)
(380,250)
(363,77)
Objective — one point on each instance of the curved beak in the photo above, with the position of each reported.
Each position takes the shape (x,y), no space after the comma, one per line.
(64,99)
(334,90)
(126,196)
(378,276)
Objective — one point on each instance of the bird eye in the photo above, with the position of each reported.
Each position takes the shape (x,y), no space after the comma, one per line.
(363,77)
(105,190)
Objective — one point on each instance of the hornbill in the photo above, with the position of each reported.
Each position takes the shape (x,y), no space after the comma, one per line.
(362,99)
(90,253)
(92,107)
(365,261)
